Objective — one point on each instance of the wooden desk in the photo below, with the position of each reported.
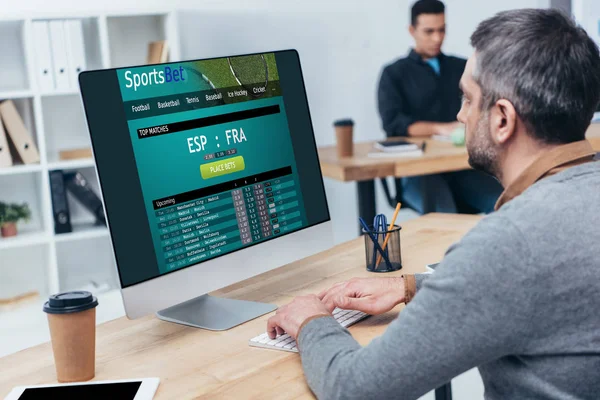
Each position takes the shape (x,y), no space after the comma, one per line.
(193,363)
(439,157)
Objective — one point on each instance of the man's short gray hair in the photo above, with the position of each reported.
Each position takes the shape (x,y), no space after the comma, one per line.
(545,65)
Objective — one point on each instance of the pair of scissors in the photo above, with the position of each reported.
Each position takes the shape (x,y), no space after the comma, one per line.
(380,227)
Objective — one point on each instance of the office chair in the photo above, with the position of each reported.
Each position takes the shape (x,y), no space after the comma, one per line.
(461,207)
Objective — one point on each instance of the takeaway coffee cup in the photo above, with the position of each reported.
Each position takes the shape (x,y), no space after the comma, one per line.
(72,320)
(343,132)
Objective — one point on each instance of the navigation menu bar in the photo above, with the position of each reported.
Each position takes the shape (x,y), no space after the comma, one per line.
(197,100)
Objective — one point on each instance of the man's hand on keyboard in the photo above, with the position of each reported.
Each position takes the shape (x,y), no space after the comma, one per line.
(289,318)
(370,295)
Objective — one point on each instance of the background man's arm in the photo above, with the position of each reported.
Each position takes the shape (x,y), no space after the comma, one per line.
(392,105)
(421,128)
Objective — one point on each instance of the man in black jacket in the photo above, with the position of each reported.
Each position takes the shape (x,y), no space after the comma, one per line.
(419,97)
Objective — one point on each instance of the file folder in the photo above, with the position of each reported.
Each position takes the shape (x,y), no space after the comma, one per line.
(81,189)
(18,133)
(60,204)
(75,154)
(43,56)
(60,61)
(158,52)
(75,49)
(5,157)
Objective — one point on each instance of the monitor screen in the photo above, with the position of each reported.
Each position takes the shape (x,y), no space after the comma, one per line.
(202,158)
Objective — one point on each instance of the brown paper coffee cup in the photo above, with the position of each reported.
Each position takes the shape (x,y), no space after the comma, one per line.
(73,333)
(344,137)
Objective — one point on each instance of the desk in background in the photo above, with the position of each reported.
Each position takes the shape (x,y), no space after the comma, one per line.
(439,157)
(198,363)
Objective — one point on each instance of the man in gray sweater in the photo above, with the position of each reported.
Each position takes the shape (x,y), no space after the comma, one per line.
(519,295)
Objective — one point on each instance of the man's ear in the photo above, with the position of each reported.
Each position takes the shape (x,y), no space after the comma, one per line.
(503,121)
(411,30)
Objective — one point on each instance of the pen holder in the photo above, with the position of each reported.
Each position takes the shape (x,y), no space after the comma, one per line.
(392,250)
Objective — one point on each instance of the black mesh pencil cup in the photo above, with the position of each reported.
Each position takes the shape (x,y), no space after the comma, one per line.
(375,242)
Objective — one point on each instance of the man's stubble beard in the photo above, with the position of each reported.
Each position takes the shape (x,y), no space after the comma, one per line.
(483,153)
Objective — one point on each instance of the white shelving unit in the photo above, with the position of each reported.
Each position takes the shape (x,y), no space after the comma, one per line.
(38,259)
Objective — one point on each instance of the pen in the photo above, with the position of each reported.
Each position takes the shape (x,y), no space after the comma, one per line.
(379,227)
(423,145)
(375,242)
(387,236)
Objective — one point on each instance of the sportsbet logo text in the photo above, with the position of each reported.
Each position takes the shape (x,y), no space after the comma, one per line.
(155,77)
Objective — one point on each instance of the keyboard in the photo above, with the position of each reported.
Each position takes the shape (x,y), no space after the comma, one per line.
(287,343)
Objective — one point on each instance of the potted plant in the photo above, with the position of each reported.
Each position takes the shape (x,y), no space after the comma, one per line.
(10,214)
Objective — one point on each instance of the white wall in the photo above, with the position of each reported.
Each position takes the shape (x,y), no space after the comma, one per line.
(342,50)
(343,46)
(587,13)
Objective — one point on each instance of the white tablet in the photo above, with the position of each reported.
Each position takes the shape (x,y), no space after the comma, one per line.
(130,389)
(430,268)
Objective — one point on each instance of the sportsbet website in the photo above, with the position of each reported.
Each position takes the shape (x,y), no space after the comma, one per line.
(214,156)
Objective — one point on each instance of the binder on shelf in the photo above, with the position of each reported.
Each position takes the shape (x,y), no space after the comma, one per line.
(80,188)
(5,157)
(26,148)
(60,61)
(13,302)
(158,52)
(43,56)
(60,205)
(75,154)
(75,49)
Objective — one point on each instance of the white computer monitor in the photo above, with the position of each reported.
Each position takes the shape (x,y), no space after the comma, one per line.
(210,175)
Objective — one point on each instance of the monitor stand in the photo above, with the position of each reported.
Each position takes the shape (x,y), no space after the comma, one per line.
(214,313)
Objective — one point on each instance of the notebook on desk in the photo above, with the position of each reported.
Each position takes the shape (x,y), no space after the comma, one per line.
(396,148)
(400,154)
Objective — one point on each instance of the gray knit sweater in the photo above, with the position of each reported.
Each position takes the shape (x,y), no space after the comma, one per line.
(518,297)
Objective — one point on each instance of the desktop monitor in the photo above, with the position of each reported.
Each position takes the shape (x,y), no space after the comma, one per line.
(210,175)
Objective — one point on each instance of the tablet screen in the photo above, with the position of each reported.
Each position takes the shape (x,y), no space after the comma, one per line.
(120,391)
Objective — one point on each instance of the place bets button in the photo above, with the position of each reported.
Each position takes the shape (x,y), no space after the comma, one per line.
(222,167)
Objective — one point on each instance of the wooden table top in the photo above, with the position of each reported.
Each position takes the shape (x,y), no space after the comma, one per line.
(195,363)
(439,157)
